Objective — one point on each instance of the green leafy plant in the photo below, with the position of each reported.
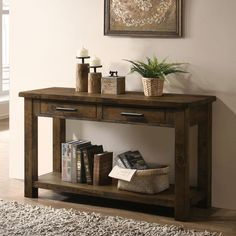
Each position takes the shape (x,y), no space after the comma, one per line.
(154,68)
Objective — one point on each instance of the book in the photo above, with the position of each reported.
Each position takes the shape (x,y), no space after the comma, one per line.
(81,176)
(88,155)
(64,171)
(66,160)
(75,146)
(136,160)
(86,162)
(96,150)
(123,158)
(102,168)
(118,162)
(133,160)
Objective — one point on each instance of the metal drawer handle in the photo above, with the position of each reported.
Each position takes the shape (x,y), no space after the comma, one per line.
(132,114)
(65,109)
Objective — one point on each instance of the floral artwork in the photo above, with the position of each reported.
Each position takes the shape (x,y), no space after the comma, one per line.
(143,17)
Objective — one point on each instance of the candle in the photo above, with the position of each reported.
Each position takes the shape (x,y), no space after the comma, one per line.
(95,61)
(82,53)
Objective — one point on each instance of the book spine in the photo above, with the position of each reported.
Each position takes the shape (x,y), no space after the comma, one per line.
(66,162)
(87,168)
(63,162)
(96,170)
(82,172)
(68,152)
(95,150)
(74,163)
(81,178)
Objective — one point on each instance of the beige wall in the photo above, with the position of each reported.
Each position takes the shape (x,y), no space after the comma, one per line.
(45,36)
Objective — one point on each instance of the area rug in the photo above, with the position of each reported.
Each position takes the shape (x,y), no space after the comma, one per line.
(22,219)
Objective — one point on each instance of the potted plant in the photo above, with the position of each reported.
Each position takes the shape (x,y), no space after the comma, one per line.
(154,74)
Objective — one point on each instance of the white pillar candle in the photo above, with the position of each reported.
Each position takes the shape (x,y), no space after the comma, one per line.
(95,61)
(83,52)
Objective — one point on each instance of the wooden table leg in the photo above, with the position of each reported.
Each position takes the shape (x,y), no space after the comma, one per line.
(59,131)
(31,149)
(205,157)
(182,197)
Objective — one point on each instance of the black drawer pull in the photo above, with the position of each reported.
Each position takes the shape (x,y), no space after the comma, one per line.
(133,114)
(65,109)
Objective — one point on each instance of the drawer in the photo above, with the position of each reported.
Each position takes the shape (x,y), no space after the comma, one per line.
(133,115)
(73,110)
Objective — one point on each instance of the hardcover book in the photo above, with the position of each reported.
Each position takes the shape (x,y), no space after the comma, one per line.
(81,176)
(74,161)
(136,160)
(64,172)
(123,158)
(66,160)
(102,168)
(133,160)
(88,155)
(86,163)
(118,162)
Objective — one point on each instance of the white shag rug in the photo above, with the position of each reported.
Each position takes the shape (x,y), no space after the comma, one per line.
(22,219)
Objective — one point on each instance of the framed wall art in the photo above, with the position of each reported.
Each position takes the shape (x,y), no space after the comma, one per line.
(143,18)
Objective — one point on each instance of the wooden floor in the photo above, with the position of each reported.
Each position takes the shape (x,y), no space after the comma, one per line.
(219,220)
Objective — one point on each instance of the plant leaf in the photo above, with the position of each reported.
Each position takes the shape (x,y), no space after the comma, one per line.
(153,68)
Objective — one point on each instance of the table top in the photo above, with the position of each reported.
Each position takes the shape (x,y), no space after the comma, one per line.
(129,98)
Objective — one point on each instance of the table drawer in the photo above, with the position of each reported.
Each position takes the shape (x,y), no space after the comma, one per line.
(68,110)
(125,114)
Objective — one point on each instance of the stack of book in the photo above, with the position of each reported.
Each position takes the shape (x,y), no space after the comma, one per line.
(131,160)
(78,162)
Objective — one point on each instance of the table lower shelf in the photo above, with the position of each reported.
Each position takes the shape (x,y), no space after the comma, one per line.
(167,198)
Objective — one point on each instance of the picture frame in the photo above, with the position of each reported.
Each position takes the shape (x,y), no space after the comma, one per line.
(143,18)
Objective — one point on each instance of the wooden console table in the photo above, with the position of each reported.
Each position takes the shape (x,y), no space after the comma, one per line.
(170,110)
